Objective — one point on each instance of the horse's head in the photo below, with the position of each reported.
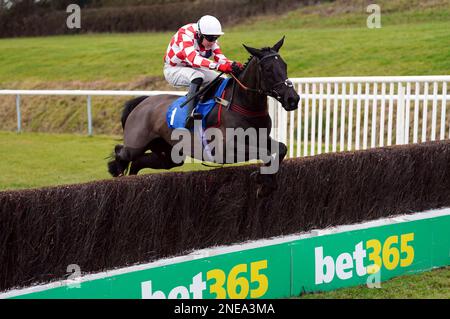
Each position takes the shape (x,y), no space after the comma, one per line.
(274,79)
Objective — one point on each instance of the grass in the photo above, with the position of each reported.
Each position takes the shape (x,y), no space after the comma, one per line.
(427,285)
(31,160)
(36,160)
(353,14)
(412,40)
(115,57)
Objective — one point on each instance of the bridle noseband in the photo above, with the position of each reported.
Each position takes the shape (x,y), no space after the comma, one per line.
(269,92)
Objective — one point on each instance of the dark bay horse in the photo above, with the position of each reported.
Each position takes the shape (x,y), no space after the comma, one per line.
(145,127)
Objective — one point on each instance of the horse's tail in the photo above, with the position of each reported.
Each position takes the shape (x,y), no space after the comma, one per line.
(129,106)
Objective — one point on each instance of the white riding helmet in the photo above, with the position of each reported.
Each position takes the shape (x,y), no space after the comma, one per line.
(209,25)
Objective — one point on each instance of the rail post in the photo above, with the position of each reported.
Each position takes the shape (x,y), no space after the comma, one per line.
(400,129)
(89,114)
(19,116)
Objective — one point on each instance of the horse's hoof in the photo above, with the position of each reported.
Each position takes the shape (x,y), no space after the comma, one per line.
(118,148)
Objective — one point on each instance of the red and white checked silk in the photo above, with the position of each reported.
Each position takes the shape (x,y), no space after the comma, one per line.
(184,50)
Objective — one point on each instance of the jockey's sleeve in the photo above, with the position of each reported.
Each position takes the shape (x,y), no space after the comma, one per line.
(218,55)
(191,56)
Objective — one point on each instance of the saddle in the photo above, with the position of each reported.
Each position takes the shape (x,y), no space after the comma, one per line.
(175,114)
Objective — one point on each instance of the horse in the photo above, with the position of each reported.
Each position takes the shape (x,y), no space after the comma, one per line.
(145,127)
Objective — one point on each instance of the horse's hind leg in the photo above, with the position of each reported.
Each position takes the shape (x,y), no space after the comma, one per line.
(117,166)
(123,155)
(152,160)
(160,158)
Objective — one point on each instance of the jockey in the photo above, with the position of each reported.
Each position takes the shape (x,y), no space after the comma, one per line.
(186,60)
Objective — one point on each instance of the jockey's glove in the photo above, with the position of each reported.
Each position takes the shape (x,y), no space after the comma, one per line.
(237,64)
(225,68)
(236,68)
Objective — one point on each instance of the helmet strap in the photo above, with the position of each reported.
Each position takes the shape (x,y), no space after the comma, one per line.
(200,37)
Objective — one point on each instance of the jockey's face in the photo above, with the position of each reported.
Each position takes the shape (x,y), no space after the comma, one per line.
(207,44)
(208,41)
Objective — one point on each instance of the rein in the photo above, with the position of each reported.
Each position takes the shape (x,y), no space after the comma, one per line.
(245,87)
(202,90)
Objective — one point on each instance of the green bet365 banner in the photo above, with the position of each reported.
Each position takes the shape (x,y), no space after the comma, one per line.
(371,255)
(318,263)
(252,273)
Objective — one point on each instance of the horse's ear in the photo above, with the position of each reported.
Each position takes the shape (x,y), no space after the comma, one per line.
(253,51)
(279,44)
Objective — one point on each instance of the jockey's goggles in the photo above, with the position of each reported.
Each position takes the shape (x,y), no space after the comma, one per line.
(211,38)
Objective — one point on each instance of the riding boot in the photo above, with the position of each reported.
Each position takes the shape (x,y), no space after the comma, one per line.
(193,89)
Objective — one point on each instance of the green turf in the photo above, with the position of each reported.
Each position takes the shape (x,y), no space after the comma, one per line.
(427,285)
(36,160)
(411,41)
(32,160)
(40,159)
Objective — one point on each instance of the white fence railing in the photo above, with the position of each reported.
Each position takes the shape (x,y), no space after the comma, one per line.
(87,93)
(335,114)
(352,113)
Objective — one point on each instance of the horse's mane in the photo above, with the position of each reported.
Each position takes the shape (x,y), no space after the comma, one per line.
(265,49)
(246,63)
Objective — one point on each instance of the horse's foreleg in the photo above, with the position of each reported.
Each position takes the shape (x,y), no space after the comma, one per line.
(272,156)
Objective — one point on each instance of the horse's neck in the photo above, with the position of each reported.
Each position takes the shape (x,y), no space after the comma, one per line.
(251,101)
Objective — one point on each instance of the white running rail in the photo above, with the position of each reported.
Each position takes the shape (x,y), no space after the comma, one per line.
(353,113)
(335,113)
(87,93)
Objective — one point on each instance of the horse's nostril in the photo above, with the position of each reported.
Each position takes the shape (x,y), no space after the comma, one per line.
(292,102)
